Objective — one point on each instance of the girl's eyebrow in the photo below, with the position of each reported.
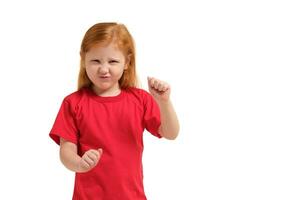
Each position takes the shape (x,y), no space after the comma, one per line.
(110,58)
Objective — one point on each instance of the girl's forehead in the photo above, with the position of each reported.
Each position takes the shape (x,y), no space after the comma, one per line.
(105,49)
(106,46)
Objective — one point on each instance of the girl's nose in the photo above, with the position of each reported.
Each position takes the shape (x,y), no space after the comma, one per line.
(103,69)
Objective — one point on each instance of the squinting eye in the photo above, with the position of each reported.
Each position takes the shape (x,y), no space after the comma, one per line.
(95,61)
(114,61)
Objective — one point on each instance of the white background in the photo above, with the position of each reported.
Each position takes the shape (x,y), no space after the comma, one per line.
(234,71)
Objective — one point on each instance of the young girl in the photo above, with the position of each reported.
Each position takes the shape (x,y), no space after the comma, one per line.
(100,126)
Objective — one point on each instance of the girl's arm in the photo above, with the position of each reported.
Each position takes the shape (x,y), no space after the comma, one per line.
(169,122)
(68,155)
(71,160)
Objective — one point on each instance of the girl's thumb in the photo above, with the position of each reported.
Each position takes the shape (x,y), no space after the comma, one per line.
(100,150)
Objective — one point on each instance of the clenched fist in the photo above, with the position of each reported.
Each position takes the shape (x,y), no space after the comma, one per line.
(89,160)
(160,90)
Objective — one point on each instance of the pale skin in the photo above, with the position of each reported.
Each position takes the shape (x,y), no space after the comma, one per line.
(107,66)
(161,90)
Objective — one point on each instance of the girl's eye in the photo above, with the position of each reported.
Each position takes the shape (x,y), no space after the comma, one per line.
(95,61)
(113,61)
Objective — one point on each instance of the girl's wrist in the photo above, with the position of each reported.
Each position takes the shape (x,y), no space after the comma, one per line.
(164,102)
(78,167)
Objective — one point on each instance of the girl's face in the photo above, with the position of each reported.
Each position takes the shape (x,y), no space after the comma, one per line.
(104,67)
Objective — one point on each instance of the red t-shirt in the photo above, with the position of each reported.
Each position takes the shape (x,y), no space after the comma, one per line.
(116,125)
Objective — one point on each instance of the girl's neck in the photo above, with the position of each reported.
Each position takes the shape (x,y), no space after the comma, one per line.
(107,93)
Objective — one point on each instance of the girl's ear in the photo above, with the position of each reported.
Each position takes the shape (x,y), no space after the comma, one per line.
(127,61)
(82,59)
(82,63)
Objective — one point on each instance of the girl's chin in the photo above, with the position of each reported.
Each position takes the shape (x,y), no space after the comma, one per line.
(103,87)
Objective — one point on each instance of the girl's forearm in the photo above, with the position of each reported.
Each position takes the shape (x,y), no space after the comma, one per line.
(69,156)
(169,122)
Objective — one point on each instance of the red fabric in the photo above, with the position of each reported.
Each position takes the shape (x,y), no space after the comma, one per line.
(116,125)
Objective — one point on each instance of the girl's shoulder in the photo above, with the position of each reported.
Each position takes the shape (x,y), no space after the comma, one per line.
(76,98)
(76,95)
(138,93)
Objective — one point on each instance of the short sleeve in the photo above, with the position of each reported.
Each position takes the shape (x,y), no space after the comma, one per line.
(152,120)
(64,125)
